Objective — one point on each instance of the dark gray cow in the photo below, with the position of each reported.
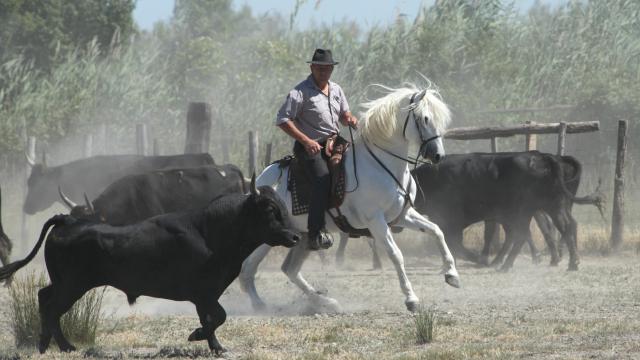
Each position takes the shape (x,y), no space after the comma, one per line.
(94,174)
(185,256)
(137,197)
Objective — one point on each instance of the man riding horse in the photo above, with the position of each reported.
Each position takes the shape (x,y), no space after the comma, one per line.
(310,115)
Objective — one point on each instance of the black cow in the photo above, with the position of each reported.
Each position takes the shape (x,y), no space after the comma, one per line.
(94,174)
(504,188)
(137,197)
(508,188)
(5,242)
(185,256)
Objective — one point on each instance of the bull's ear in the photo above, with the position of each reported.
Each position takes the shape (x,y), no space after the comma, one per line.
(253,188)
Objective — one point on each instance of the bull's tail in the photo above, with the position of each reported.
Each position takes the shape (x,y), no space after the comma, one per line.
(8,270)
(597,199)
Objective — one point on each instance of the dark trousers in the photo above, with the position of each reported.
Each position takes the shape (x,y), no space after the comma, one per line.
(318,173)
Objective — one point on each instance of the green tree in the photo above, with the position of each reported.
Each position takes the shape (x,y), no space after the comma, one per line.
(41,30)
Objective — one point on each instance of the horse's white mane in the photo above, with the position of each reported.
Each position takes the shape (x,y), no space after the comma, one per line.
(379,122)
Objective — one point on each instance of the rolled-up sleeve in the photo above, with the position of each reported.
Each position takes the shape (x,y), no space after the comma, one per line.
(291,108)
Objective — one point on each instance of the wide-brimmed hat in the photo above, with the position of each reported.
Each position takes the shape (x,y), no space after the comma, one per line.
(322,57)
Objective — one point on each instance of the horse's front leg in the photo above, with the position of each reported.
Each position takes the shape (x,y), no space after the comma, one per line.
(414,220)
(381,233)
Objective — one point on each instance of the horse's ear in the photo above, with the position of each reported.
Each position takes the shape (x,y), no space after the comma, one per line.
(420,95)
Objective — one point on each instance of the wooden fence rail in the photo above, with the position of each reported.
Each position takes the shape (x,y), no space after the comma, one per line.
(474,133)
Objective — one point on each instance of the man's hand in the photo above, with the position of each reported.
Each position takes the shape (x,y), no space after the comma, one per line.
(312,147)
(350,120)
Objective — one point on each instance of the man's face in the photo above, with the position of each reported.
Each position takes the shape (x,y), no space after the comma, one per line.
(321,73)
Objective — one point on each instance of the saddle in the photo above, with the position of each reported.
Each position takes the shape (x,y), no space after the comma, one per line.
(300,186)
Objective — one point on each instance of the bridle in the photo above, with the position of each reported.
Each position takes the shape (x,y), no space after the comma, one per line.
(414,162)
(411,113)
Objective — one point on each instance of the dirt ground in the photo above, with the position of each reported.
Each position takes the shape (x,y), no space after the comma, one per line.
(534,312)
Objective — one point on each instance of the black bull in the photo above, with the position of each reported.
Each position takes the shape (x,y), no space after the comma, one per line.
(137,197)
(185,256)
(505,188)
(94,174)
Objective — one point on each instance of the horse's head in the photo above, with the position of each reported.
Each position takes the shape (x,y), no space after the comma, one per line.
(408,115)
(431,117)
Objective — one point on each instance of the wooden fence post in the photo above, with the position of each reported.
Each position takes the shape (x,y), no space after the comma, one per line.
(31,151)
(562,134)
(267,155)
(88,145)
(530,139)
(253,151)
(156,147)
(102,136)
(142,139)
(225,150)
(617,217)
(494,144)
(198,128)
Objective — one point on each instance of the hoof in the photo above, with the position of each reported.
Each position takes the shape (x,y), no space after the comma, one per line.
(412,305)
(452,280)
(68,348)
(321,304)
(554,262)
(504,269)
(197,335)
(573,267)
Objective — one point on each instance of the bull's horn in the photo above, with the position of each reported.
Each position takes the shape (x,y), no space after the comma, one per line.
(70,204)
(30,160)
(253,188)
(89,204)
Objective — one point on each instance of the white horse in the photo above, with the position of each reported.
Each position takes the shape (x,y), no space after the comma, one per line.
(381,190)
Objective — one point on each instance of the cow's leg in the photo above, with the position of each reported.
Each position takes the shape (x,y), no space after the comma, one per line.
(44,299)
(248,275)
(60,301)
(414,220)
(546,227)
(520,233)
(568,228)
(504,249)
(535,253)
(454,238)
(211,315)
(490,236)
(291,267)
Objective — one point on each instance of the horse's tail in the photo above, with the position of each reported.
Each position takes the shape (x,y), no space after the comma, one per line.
(8,270)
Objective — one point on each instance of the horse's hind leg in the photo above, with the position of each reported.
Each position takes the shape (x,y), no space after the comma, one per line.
(291,267)
(248,275)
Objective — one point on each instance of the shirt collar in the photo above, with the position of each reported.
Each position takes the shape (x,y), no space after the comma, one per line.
(313,84)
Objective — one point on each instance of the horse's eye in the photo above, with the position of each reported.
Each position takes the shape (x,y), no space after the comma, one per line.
(426,120)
